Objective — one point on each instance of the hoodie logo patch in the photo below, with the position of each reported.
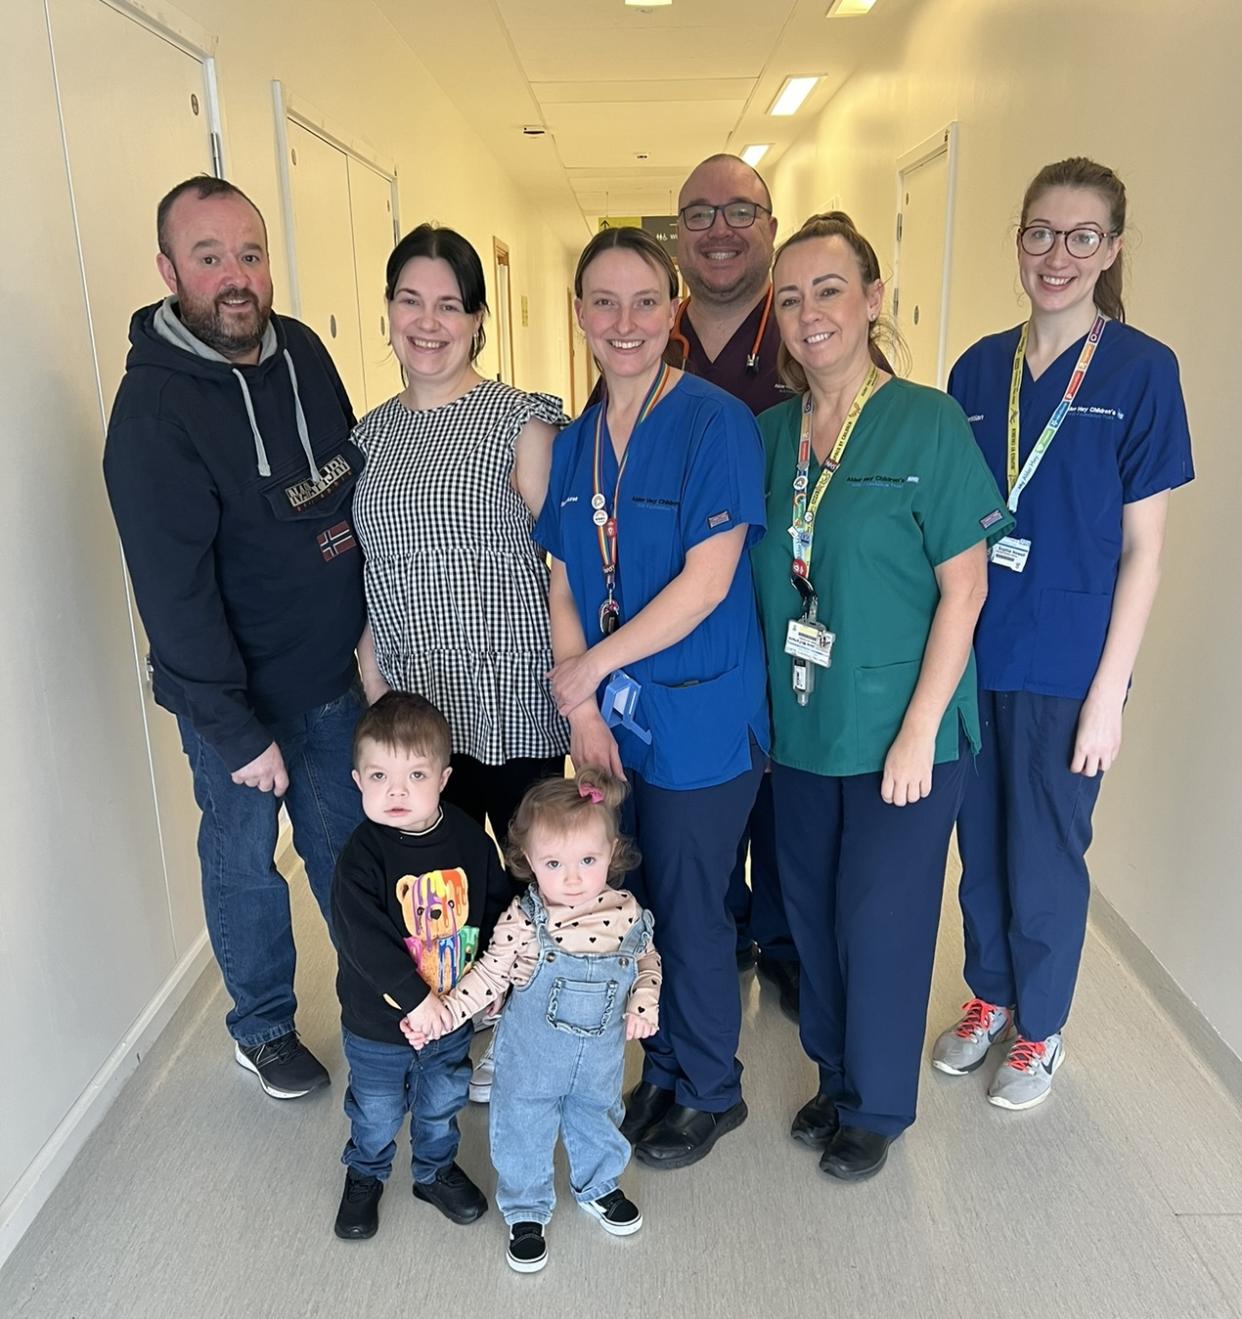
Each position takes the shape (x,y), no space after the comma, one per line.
(336,541)
(308,492)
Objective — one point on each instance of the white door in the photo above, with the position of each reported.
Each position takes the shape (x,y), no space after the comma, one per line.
(118,175)
(324,244)
(370,206)
(921,264)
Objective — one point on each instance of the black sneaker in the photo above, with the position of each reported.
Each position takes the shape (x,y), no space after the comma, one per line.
(358,1217)
(286,1068)
(616,1214)
(453,1194)
(528,1251)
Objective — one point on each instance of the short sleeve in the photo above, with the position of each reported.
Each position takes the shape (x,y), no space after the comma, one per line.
(547,530)
(1154,454)
(723,486)
(958,503)
(524,408)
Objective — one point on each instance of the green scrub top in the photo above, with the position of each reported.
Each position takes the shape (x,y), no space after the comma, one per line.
(912,491)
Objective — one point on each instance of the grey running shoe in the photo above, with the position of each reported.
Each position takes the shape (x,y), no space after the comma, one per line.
(963,1047)
(481,1077)
(1024,1079)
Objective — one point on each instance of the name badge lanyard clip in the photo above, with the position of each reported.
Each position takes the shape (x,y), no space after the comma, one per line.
(1012,551)
(605,520)
(808,641)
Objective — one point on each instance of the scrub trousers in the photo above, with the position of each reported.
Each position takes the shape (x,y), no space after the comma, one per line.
(863,883)
(1023,833)
(689,841)
(758,909)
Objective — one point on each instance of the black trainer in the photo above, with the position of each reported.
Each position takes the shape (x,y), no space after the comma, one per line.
(286,1068)
(528,1251)
(816,1123)
(453,1194)
(358,1217)
(617,1215)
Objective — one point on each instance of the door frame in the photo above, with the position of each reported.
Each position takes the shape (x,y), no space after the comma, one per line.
(286,106)
(500,257)
(945,141)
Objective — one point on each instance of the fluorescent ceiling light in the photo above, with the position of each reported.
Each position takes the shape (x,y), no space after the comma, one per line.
(753,155)
(849,8)
(791,95)
(653,4)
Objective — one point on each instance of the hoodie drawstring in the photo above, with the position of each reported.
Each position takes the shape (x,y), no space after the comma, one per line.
(260,452)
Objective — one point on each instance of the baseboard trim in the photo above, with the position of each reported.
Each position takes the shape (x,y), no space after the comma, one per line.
(1208,1046)
(36,1184)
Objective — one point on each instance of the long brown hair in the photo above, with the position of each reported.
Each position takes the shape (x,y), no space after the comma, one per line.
(1079,172)
(836,224)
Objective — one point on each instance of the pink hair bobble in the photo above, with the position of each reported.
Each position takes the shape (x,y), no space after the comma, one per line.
(591,793)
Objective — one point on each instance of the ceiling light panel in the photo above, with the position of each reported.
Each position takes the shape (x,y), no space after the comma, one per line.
(752,155)
(849,8)
(791,95)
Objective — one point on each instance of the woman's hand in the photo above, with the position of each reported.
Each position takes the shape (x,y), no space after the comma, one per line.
(908,768)
(638,1028)
(591,741)
(574,681)
(1098,739)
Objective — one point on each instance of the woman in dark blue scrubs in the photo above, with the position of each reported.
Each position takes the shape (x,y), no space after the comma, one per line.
(1082,421)
(655,493)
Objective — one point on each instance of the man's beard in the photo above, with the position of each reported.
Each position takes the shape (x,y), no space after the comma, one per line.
(232,337)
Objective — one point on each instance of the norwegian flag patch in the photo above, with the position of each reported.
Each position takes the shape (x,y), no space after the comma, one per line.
(336,541)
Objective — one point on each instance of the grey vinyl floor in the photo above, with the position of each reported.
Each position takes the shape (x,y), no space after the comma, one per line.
(198,1198)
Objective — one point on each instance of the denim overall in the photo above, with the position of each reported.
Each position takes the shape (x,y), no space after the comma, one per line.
(560,1049)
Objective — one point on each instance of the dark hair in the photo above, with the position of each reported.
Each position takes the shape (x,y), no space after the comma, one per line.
(404,722)
(836,224)
(447,245)
(632,240)
(203,186)
(1079,172)
(722,156)
(560,804)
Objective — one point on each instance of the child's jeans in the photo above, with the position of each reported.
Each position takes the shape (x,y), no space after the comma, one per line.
(387,1081)
(560,1047)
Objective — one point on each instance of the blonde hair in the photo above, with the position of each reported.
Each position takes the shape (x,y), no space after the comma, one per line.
(562,805)
(836,224)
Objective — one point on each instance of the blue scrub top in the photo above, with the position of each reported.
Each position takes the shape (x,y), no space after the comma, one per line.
(1125,438)
(695,469)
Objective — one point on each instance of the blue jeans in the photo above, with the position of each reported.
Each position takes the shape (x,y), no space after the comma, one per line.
(245,899)
(387,1081)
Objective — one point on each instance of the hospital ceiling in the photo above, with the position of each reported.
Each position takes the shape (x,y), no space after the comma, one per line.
(631,99)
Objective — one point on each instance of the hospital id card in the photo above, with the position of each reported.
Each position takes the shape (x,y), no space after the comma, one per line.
(810,641)
(1011,552)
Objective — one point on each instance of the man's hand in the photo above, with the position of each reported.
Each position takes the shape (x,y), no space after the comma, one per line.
(266,772)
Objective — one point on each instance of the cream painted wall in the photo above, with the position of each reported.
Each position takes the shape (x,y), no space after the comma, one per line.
(1151,89)
(86,944)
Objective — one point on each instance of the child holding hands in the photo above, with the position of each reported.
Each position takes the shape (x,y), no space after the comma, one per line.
(577,951)
(416,888)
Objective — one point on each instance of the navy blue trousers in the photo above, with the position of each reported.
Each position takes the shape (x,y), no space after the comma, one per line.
(689,842)
(1023,832)
(863,883)
(758,908)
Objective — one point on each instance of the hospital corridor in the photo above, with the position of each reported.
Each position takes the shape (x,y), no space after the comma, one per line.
(440,436)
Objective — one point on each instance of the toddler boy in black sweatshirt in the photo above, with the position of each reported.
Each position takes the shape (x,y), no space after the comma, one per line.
(416,893)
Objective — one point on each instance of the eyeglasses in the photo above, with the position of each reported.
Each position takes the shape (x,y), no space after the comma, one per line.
(737,215)
(1039,240)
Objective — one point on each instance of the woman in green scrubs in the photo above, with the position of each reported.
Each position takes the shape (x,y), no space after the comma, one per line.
(870,581)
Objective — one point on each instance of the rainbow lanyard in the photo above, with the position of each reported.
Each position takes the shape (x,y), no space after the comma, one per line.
(802,533)
(605,520)
(1018,481)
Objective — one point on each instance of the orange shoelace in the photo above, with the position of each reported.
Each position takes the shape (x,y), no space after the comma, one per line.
(975,1019)
(1024,1054)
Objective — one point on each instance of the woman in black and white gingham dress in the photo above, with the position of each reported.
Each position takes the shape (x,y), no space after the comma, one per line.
(456,590)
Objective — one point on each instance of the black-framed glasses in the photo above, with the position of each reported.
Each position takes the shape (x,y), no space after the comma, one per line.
(737,215)
(1040,239)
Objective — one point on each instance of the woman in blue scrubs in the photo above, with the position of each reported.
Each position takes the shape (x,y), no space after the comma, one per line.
(1081,419)
(655,492)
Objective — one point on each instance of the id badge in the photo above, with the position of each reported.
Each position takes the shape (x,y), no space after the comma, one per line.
(810,641)
(1010,552)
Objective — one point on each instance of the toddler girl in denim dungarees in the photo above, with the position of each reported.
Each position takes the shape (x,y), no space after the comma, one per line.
(578,954)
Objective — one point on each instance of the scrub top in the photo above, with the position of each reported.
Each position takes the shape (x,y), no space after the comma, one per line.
(759,389)
(912,491)
(1125,438)
(695,470)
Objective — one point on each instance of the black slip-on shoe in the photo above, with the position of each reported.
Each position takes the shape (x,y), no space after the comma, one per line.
(816,1122)
(854,1154)
(685,1135)
(645,1105)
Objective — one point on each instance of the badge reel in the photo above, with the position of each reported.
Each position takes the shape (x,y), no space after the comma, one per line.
(808,641)
(620,703)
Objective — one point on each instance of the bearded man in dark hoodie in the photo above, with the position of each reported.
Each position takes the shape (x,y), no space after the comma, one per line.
(231,472)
